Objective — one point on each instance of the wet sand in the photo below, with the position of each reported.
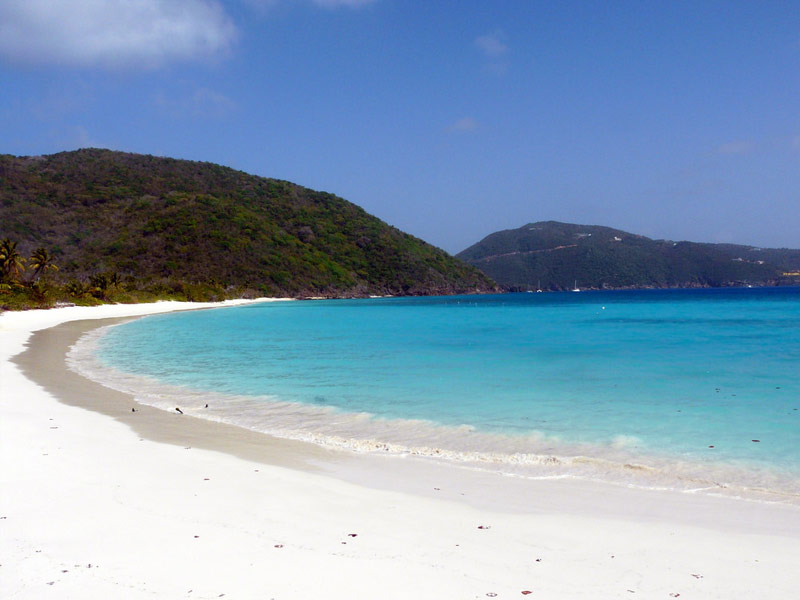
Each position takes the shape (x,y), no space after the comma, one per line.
(49,347)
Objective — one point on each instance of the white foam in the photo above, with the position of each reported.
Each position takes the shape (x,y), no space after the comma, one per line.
(626,441)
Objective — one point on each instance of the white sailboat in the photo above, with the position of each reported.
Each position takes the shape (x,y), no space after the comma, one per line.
(576,288)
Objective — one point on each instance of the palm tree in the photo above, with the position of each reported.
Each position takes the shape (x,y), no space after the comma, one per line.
(99,285)
(114,280)
(41,261)
(11,261)
(75,288)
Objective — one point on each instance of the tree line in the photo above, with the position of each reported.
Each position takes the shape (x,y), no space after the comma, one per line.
(38,289)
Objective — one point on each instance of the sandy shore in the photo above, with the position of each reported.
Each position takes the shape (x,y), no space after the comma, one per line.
(97,501)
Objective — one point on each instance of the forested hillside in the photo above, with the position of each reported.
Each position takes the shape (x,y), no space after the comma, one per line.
(558,256)
(165,224)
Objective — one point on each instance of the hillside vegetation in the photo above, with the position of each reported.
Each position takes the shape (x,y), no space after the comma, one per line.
(166,225)
(556,256)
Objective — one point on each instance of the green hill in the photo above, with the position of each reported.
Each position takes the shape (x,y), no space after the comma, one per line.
(556,256)
(166,224)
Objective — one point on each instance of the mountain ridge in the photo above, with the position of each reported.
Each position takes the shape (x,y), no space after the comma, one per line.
(557,256)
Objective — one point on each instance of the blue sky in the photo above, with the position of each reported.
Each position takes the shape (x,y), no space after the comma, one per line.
(447,119)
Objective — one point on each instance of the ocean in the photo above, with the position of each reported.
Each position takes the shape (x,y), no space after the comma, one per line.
(696,390)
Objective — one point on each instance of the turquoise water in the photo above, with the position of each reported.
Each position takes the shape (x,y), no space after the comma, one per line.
(661,388)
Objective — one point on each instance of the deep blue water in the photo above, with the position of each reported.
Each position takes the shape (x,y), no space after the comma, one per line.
(650,377)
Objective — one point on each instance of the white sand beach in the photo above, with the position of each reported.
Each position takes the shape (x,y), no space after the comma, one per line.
(100,502)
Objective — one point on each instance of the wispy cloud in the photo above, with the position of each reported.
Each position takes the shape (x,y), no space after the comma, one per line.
(113,33)
(338,3)
(202,102)
(263,5)
(75,136)
(207,102)
(83,139)
(61,98)
(736,147)
(495,51)
(492,44)
(465,124)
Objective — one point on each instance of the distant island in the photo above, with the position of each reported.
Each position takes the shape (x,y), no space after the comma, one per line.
(114,226)
(554,256)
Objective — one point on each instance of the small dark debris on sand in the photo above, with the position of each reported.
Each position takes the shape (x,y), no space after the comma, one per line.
(206,406)
(279,545)
(352,534)
(484,526)
(526,592)
(133,410)
(178,410)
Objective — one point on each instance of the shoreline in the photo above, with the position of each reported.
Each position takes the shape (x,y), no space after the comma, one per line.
(302,426)
(317,494)
(49,346)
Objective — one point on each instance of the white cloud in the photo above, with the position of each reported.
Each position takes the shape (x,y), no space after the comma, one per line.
(737,147)
(465,124)
(112,33)
(492,44)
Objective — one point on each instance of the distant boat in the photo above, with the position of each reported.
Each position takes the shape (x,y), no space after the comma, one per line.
(538,287)
(576,288)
